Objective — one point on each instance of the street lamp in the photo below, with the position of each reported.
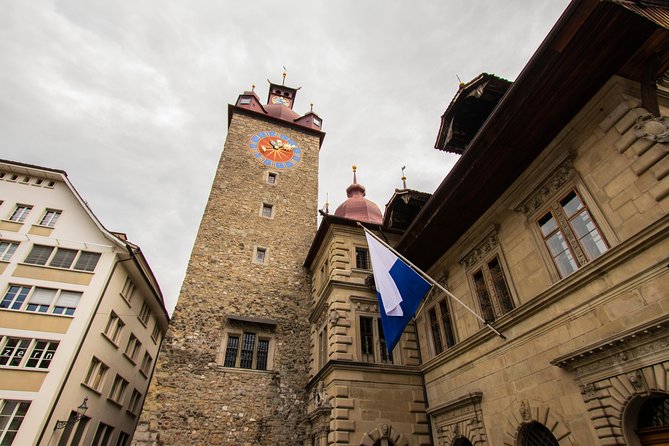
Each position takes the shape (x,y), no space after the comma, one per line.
(81,410)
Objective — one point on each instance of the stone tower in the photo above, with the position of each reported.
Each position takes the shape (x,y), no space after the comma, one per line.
(234,364)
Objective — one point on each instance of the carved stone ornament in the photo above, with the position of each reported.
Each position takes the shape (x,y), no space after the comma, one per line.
(548,188)
(588,390)
(636,379)
(456,429)
(525,410)
(334,317)
(653,129)
(485,247)
(321,398)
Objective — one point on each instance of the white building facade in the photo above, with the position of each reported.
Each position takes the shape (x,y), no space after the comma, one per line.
(81,317)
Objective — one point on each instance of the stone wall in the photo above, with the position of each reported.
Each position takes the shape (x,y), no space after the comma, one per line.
(193,399)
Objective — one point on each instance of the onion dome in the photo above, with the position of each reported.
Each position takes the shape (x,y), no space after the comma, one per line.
(357,207)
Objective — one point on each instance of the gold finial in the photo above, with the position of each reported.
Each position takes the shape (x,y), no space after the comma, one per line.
(253,87)
(312,107)
(285,72)
(355,168)
(404,178)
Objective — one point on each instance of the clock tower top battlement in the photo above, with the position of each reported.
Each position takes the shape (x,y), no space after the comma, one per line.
(280,101)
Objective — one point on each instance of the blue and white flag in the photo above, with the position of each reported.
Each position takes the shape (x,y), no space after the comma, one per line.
(399,289)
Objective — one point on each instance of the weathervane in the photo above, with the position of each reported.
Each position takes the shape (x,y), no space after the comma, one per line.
(285,72)
(404,178)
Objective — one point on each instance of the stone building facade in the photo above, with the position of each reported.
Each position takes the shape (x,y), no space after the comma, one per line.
(561,242)
(235,362)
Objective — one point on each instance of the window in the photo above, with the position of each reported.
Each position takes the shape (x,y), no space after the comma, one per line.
(147,361)
(155,334)
(260,255)
(15,297)
(267,210)
(114,328)
(67,303)
(571,235)
(102,435)
(11,417)
(492,290)
(322,346)
(535,433)
(87,261)
(245,101)
(128,290)
(63,258)
(14,352)
(135,402)
(144,313)
(373,346)
(133,347)
(20,213)
(50,218)
(42,300)
(81,426)
(96,374)
(247,351)
(118,389)
(441,326)
(39,255)
(123,439)
(361,258)
(7,249)
(271,177)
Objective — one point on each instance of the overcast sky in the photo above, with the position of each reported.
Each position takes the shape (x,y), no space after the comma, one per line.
(130,97)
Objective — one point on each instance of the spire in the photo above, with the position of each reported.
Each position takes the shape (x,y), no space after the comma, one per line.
(355,189)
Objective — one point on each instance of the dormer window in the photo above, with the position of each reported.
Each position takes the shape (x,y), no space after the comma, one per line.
(317,122)
(245,101)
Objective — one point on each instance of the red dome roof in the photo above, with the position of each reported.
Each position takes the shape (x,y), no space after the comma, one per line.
(357,207)
(281,112)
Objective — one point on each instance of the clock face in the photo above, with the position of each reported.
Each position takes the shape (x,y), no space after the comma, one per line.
(280,100)
(273,149)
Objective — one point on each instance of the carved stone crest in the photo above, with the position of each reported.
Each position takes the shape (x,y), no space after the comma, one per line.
(652,128)
(636,379)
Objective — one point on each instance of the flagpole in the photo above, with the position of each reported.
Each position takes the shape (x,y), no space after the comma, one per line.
(432,281)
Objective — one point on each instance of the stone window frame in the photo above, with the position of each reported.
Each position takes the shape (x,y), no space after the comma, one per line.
(555,187)
(322,344)
(368,260)
(478,260)
(271,174)
(257,249)
(368,308)
(262,329)
(435,305)
(267,210)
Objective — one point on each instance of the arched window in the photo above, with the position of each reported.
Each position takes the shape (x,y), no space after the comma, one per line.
(653,420)
(536,434)
(462,441)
